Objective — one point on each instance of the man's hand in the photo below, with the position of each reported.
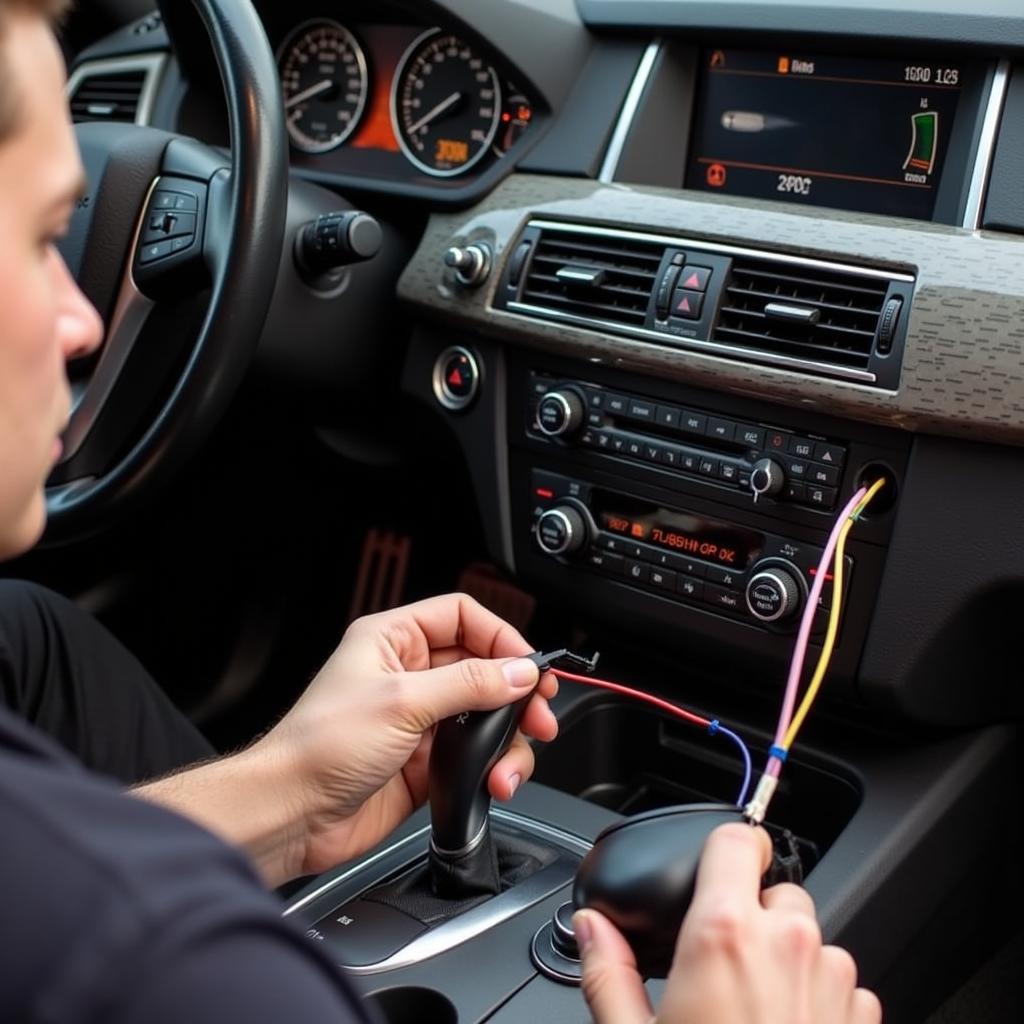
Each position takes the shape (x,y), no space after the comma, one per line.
(348,763)
(358,740)
(743,957)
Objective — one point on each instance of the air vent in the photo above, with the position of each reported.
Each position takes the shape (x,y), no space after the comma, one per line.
(108,97)
(801,311)
(605,278)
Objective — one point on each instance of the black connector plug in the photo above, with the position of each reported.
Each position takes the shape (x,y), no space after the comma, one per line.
(577,661)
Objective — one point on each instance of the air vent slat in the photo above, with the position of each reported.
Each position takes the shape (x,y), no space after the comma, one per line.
(108,97)
(848,308)
(623,295)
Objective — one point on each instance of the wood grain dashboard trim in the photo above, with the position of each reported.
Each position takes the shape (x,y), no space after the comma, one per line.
(963,365)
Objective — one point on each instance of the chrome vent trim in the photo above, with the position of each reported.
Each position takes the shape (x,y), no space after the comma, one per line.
(607,279)
(127,88)
(817,360)
(843,312)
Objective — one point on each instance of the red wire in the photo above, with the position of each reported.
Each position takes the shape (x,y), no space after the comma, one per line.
(627,691)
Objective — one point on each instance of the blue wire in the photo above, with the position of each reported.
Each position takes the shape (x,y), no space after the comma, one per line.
(747,771)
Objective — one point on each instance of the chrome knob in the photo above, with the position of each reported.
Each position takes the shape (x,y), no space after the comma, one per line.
(560,412)
(773,594)
(561,530)
(766,478)
(471,263)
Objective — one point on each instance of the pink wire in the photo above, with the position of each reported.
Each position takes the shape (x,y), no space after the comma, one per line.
(796,666)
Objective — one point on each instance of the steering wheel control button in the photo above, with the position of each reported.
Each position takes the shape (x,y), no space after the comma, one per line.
(772,594)
(561,531)
(456,378)
(560,412)
(181,201)
(155,251)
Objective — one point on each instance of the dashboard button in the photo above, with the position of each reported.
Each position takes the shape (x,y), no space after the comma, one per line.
(708,467)
(668,416)
(652,452)
(640,410)
(663,579)
(618,441)
(635,448)
(690,588)
(690,461)
(776,441)
(724,430)
(794,491)
(610,542)
(595,399)
(595,419)
(670,456)
(603,439)
(796,468)
(694,278)
(752,437)
(725,577)
(607,562)
(831,454)
(692,422)
(687,304)
(820,474)
(617,404)
(637,571)
(801,446)
(824,497)
(721,597)
(729,471)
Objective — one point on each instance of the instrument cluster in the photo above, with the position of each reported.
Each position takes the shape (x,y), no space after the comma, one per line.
(428,97)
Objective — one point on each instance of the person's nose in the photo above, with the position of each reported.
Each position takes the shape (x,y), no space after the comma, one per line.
(78,324)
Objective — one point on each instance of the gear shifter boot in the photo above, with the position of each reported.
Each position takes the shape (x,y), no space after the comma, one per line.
(470,872)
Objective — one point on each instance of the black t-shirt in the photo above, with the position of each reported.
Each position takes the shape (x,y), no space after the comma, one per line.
(113,910)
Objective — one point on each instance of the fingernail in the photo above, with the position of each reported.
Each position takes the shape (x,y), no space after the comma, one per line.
(521,672)
(583,930)
(513,784)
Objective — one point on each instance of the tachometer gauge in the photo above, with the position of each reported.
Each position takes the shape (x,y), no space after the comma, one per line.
(325,82)
(445,104)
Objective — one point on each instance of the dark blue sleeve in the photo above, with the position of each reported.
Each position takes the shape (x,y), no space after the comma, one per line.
(115,910)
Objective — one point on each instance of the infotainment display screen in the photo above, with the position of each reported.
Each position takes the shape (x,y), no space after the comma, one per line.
(857,134)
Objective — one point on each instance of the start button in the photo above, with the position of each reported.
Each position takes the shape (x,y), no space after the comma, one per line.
(456,378)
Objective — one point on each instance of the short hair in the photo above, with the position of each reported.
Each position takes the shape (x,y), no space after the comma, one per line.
(52,11)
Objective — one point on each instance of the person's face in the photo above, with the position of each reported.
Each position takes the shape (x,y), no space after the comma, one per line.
(45,318)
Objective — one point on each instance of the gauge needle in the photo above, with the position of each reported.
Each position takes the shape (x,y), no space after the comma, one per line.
(308,94)
(435,112)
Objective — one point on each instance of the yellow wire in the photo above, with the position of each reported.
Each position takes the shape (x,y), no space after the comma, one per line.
(833,620)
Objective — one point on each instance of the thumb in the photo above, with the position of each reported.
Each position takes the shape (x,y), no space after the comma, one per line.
(612,986)
(473,684)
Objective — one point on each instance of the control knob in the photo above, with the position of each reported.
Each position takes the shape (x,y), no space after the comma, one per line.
(560,412)
(773,593)
(561,530)
(766,478)
(471,263)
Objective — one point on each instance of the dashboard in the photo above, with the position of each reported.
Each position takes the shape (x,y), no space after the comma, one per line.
(679,278)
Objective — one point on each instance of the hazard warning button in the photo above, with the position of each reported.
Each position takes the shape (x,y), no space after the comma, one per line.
(694,278)
(456,377)
(686,304)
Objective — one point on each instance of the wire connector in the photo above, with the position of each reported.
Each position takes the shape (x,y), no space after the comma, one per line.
(757,809)
(546,661)
(780,753)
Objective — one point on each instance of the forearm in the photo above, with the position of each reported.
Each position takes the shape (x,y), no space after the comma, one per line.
(248,799)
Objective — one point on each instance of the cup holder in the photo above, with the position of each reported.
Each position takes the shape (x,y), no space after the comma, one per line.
(410,1004)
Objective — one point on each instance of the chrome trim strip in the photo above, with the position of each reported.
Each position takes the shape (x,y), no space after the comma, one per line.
(566,839)
(728,250)
(986,146)
(749,356)
(355,870)
(151,63)
(488,915)
(130,312)
(622,126)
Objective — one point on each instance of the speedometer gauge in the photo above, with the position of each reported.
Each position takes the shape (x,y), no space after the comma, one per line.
(445,104)
(325,82)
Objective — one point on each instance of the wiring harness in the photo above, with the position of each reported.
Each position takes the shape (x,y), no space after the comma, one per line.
(789,723)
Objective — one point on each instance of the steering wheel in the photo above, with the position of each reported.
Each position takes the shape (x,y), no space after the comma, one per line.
(171,233)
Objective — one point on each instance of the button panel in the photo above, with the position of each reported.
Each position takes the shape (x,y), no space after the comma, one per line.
(716,449)
(676,576)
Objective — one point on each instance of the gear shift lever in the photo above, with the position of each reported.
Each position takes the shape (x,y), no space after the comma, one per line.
(466,747)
